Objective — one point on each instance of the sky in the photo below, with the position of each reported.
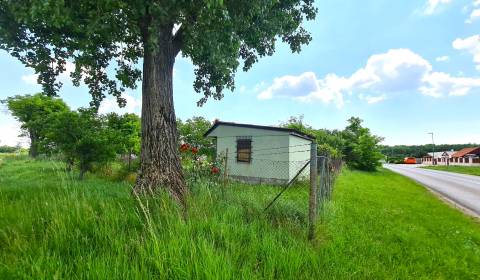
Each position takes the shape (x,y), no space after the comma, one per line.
(406,68)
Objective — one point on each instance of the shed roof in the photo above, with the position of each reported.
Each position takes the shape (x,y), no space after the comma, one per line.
(465,151)
(290,131)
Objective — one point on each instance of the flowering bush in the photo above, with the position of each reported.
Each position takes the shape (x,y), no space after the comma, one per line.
(198,167)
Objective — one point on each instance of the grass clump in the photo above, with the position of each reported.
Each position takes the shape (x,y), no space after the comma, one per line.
(379,226)
(469,170)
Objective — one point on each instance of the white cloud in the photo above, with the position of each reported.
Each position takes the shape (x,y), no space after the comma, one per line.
(373,99)
(432,6)
(437,84)
(110,105)
(442,58)
(397,70)
(474,15)
(64,77)
(470,44)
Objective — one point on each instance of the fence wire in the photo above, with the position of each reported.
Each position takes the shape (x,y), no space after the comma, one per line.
(327,170)
(282,166)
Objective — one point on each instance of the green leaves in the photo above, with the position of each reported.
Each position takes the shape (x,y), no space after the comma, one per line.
(98,34)
(32,112)
(83,138)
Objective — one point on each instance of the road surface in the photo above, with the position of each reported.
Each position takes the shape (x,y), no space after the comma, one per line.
(461,189)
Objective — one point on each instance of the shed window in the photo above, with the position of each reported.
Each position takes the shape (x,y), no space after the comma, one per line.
(244,150)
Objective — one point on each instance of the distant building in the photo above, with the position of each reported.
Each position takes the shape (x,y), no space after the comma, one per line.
(466,156)
(438,158)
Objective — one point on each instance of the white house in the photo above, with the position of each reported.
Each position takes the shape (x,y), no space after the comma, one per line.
(261,154)
(440,157)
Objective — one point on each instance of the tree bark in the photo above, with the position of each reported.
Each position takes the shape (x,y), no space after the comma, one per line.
(160,165)
(33,151)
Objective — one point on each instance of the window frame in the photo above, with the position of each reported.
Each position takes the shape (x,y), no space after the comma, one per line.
(244,143)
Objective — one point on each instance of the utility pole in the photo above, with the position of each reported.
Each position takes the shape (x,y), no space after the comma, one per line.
(433,148)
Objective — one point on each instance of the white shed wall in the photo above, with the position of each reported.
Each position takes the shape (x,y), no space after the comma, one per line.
(267,162)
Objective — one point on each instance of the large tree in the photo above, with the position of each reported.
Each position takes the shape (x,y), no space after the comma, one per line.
(94,34)
(32,111)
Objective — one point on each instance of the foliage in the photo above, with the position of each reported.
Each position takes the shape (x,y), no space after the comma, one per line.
(191,132)
(94,33)
(361,149)
(329,143)
(126,130)
(199,167)
(366,152)
(418,151)
(83,137)
(380,226)
(355,144)
(32,112)
(8,149)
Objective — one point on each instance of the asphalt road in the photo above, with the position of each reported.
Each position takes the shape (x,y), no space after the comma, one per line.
(463,190)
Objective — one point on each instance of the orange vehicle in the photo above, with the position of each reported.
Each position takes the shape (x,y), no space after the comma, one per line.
(410,160)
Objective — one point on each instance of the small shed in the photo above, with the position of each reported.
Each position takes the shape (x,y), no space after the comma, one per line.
(261,154)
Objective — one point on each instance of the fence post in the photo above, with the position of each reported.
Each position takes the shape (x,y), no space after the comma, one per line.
(225,172)
(312,203)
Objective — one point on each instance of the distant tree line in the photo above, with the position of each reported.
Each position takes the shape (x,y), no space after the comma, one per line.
(399,152)
(8,149)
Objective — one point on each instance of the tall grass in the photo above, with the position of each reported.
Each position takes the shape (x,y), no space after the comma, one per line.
(379,226)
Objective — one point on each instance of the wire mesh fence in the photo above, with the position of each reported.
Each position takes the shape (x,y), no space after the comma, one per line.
(282,166)
(327,170)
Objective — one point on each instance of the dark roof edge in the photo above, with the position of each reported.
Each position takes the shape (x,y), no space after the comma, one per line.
(292,131)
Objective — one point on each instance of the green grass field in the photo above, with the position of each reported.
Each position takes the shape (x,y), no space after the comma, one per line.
(379,226)
(470,170)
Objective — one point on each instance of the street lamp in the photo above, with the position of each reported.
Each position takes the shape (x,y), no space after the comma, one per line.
(433,148)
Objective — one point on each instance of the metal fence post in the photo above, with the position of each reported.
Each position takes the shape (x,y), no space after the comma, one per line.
(225,172)
(312,203)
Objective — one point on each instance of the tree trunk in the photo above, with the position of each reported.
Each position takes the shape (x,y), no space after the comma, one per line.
(33,151)
(160,165)
(83,170)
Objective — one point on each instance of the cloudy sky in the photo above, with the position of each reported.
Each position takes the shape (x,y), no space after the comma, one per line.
(406,67)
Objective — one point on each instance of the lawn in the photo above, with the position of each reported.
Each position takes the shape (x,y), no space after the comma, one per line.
(379,226)
(470,170)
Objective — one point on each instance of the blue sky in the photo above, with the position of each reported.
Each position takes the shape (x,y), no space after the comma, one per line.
(406,67)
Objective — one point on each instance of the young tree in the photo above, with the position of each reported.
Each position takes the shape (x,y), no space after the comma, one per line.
(32,112)
(92,34)
(83,138)
(361,149)
(127,134)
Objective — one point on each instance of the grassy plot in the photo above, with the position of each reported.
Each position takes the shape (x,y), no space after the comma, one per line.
(379,226)
(470,170)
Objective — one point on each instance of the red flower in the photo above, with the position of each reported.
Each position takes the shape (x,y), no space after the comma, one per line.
(215,170)
(194,150)
(184,147)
